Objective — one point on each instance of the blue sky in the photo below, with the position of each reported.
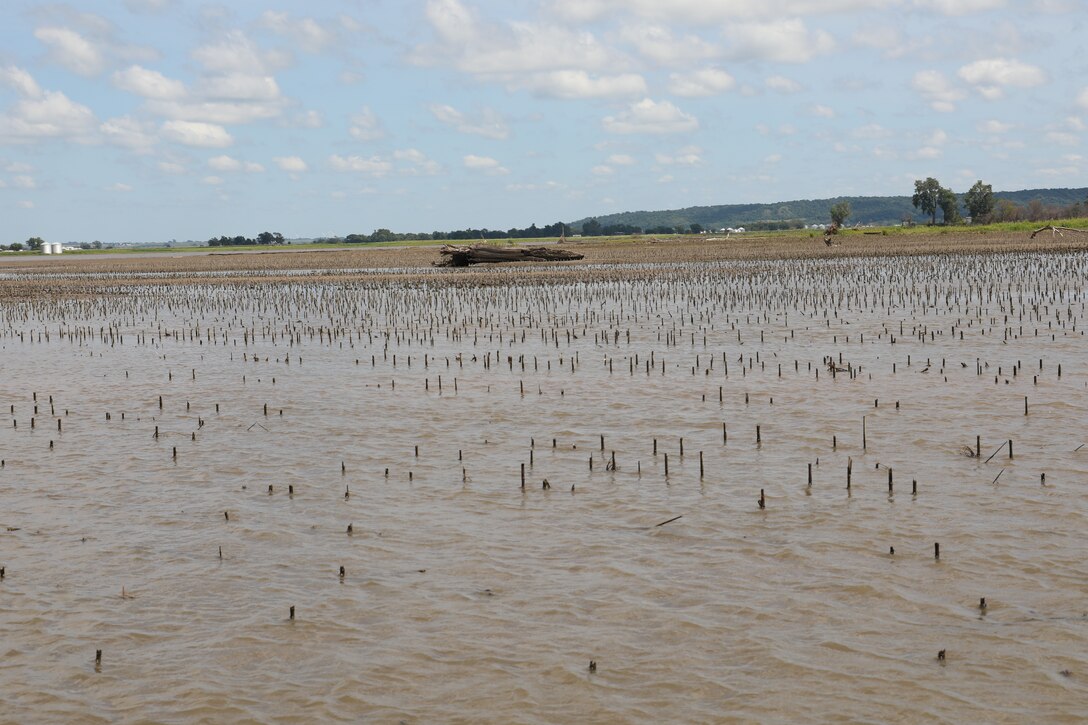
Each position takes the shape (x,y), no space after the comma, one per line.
(149,120)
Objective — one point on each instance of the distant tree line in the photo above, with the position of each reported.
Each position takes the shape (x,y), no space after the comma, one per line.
(983,208)
(266,238)
(383,236)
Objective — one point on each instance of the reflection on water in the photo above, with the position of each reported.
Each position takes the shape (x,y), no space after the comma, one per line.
(407,410)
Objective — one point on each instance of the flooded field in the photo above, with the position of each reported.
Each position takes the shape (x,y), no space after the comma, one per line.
(710,491)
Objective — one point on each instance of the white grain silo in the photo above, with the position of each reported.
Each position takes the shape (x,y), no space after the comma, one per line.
(47,248)
(57,248)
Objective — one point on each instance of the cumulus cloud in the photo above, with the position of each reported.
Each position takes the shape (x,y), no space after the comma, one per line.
(781,41)
(120,187)
(991,76)
(68,48)
(579,84)
(485,164)
(237,54)
(935,88)
(196,133)
(365,126)
(128,132)
(21,81)
(305,33)
(545,58)
(488,122)
(658,44)
(782,84)
(43,114)
(649,116)
(702,82)
(148,83)
(227,163)
(416,162)
(960,7)
(294,164)
(374,166)
(621,160)
(687,156)
(995,127)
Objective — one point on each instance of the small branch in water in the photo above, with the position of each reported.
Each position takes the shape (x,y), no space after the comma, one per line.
(674,518)
(997,476)
(997,451)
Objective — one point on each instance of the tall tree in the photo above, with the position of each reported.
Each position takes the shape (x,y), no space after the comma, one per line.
(949,206)
(840,212)
(979,201)
(927,197)
(35,243)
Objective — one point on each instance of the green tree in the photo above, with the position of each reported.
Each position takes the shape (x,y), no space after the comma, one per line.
(696,228)
(265,238)
(35,243)
(16,247)
(950,204)
(591,228)
(96,244)
(927,197)
(839,213)
(979,201)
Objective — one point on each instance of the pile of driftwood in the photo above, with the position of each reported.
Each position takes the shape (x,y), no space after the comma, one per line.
(1057,230)
(461,256)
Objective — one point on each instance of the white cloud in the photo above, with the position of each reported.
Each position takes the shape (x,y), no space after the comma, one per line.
(123,188)
(991,76)
(306,33)
(687,156)
(935,88)
(294,164)
(149,6)
(47,115)
(960,7)
(196,133)
(579,84)
(417,161)
(602,170)
(658,44)
(227,163)
(621,160)
(237,54)
(488,122)
(171,167)
(148,83)
(375,165)
(307,119)
(706,12)
(995,127)
(543,57)
(782,84)
(71,50)
(649,116)
(25,204)
(19,79)
(821,111)
(871,131)
(703,82)
(24,182)
(781,41)
(365,126)
(212,180)
(485,164)
(130,133)
(1063,138)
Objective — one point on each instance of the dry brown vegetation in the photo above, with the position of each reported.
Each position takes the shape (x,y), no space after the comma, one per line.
(34,276)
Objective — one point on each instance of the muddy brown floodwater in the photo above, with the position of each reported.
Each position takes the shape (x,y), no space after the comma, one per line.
(186,465)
